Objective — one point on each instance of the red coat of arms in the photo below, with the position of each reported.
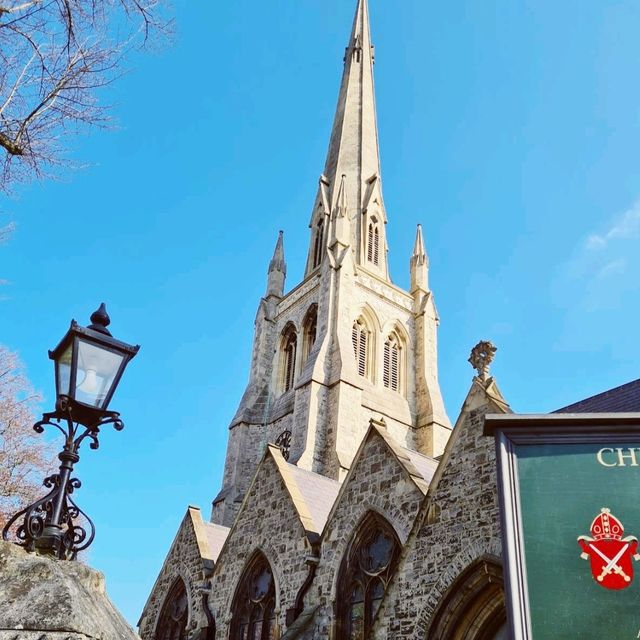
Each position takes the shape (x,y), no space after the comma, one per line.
(609,552)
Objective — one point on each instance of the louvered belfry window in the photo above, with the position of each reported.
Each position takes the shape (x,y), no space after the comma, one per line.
(360,339)
(391,364)
(288,359)
(318,252)
(373,242)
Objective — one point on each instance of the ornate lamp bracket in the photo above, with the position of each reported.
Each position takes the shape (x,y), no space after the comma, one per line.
(54,524)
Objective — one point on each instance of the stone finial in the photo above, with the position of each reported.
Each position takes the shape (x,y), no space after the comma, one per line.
(481,358)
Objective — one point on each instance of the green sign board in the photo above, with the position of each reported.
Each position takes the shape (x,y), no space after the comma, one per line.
(570,507)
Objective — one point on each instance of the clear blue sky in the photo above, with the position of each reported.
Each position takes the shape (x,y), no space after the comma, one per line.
(510,129)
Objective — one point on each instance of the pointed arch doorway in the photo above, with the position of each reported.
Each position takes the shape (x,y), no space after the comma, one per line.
(473,608)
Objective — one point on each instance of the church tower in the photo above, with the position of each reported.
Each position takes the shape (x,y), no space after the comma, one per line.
(345,345)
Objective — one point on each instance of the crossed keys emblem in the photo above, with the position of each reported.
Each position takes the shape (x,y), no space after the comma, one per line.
(609,552)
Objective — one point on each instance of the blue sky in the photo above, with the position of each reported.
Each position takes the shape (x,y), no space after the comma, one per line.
(509,129)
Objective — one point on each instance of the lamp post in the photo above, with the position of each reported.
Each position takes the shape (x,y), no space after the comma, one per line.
(89,363)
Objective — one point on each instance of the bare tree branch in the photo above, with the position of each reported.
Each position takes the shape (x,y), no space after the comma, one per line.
(55,56)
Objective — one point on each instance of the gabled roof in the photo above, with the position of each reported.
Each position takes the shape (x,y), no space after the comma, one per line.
(318,492)
(216,535)
(209,538)
(420,468)
(622,399)
(424,465)
(313,495)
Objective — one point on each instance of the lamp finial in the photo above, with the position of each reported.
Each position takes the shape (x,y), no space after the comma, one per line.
(100,320)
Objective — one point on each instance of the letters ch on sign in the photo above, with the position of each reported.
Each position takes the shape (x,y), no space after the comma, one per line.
(619,457)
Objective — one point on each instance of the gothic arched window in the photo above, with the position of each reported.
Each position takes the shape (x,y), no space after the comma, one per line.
(360,338)
(373,242)
(318,252)
(172,623)
(254,603)
(474,606)
(309,331)
(364,576)
(288,358)
(391,363)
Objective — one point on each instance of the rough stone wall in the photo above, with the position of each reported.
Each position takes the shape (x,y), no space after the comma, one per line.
(245,447)
(42,598)
(458,523)
(184,560)
(267,522)
(377,482)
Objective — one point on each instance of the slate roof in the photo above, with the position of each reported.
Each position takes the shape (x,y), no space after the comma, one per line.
(216,535)
(318,492)
(622,399)
(425,466)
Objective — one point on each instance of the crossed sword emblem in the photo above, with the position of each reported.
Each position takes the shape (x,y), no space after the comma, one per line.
(611,564)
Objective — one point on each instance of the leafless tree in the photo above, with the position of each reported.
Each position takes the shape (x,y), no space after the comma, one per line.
(25,457)
(55,55)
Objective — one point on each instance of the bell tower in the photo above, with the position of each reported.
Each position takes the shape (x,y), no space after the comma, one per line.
(344,345)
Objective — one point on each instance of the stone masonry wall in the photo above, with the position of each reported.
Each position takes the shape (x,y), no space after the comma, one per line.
(184,561)
(377,482)
(268,522)
(458,523)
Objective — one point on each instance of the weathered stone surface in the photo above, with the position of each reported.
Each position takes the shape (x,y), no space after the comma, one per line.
(190,559)
(378,482)
(458,523)
(46,599)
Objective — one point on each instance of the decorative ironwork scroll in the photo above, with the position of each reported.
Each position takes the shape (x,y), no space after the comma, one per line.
(55,524)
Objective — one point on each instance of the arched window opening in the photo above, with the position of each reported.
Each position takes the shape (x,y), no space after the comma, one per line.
(254,603)
(373,242)
(288,359)
(473,607)
(172,623)
(360,339)
(391,363)
(310,330)
(364,576)
(318,252)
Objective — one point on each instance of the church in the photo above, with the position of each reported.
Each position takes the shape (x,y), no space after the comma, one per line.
(351,507)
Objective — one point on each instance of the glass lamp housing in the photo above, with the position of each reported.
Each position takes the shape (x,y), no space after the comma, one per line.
(89,363)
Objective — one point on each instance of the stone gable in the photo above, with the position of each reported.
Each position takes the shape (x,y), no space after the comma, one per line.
(378,481)
(189,559)
(268,521)
(458,523)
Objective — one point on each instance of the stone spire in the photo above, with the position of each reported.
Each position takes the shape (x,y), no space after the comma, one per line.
(277,270)
(353,149)
(352,166)
(419,265)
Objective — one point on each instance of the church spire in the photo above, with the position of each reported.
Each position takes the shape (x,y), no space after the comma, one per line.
(277,270)
(352,166)
(353,149)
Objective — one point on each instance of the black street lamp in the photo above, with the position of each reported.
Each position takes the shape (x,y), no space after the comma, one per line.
(89,363)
